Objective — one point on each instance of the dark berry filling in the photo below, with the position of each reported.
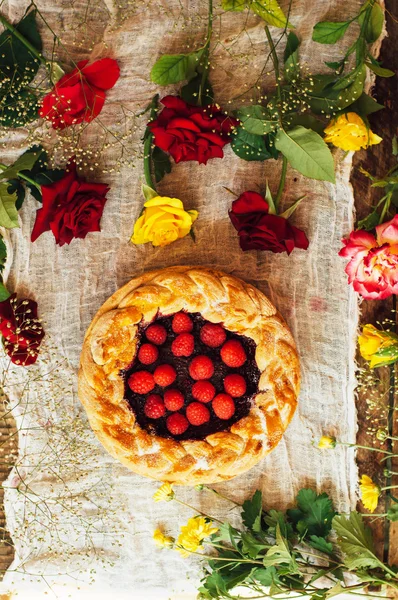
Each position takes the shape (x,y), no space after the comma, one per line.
(211,369)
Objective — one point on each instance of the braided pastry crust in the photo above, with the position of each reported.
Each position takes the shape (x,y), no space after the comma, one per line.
(110,345)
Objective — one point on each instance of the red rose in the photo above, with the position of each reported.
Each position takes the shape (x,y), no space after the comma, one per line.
(191,132)
(21,330)
(71,208)
(80,95)
(259,230)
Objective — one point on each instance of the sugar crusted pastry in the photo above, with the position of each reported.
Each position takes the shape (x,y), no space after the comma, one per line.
(177,399)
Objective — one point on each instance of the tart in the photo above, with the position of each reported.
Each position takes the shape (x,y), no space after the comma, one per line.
(188,375)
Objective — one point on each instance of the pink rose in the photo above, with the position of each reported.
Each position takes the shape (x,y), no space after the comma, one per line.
(373,266)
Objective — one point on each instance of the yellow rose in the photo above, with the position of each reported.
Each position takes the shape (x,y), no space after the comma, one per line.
(370,493)
(373,341)
(163,221)
(349,132)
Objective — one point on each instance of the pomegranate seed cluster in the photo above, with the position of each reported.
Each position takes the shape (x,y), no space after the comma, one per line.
(190,377)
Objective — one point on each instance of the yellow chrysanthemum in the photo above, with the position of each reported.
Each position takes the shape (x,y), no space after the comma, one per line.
(372,340)
(327,442)
(161,540)
(164,494)
(370,493)
(193,533)
(349,132)
(163,221)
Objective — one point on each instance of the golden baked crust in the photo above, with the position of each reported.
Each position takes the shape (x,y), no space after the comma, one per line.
(110,346)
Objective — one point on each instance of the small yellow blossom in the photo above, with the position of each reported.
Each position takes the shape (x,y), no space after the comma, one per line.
(372,341)
(163,221)
(370,493)
(161,540)
(327,442)
(349,132)
(193,533)
(164,494)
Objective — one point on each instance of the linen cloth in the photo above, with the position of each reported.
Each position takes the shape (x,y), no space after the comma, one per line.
(82,523)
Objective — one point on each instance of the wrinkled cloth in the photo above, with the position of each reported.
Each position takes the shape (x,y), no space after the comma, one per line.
(70,283)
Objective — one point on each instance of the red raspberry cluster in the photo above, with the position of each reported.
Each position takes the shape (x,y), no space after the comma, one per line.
(200,369)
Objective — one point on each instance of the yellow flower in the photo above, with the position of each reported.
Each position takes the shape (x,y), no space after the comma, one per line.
(370,493)
(163,221)
(191,536)
(164,493)
(372,341)
(161,540)
(349,132)
(327,442)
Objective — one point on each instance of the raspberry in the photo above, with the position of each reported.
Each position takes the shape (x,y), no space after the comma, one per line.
(201,367)
(204,391)
(233,354)
(212,335)
(183,345)
(156,334)
(147,354)
(181,323)
(154,407)
(197,413)
(177,424)
(235,385)
(173,399)
(141,382)
(164,375)
(223,406)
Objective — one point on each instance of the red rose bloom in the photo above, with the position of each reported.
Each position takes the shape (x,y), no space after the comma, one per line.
(80,95)
(259,230)
(71,208)
(190,132)
(21,330)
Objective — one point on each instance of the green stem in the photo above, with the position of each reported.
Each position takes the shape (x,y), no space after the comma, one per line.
(282,182)
(22,39)
(148,137)
(365,448)
(275,62)
(194,509)
(206,51)
(209,489)
(22,176)
(386,207)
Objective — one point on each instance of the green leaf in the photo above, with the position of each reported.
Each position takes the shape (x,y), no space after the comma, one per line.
(375,23)
(252,510)
(172,68)
(16,61)
(265,576)
(190,91)
(148,192)
(314,513)
(319,543)
(4,293)
(272,211)
(18,108)
(276,517)
(256,120)
(161,163)
(249,146)
(3,255)
(8,212)
(336,590)
(394,148)
(280,554)
(269,11)
(251,546)
(331,93)
(24,163)
(214,585)
(234,5)
(306,152)
(328,32)
(392,513)
(380,71)
(307,121)
(369,222)
(15,186)
(292,208)
(365,105)
(291,57)
(355,541)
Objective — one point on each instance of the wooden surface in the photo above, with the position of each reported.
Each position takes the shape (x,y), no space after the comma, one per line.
(377,160)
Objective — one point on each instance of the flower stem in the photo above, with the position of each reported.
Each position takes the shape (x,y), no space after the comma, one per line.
(22,176)
(194,509)
(22,39)
(366,448)
(275,61)
(148,138)
(206,51)
(282,182)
